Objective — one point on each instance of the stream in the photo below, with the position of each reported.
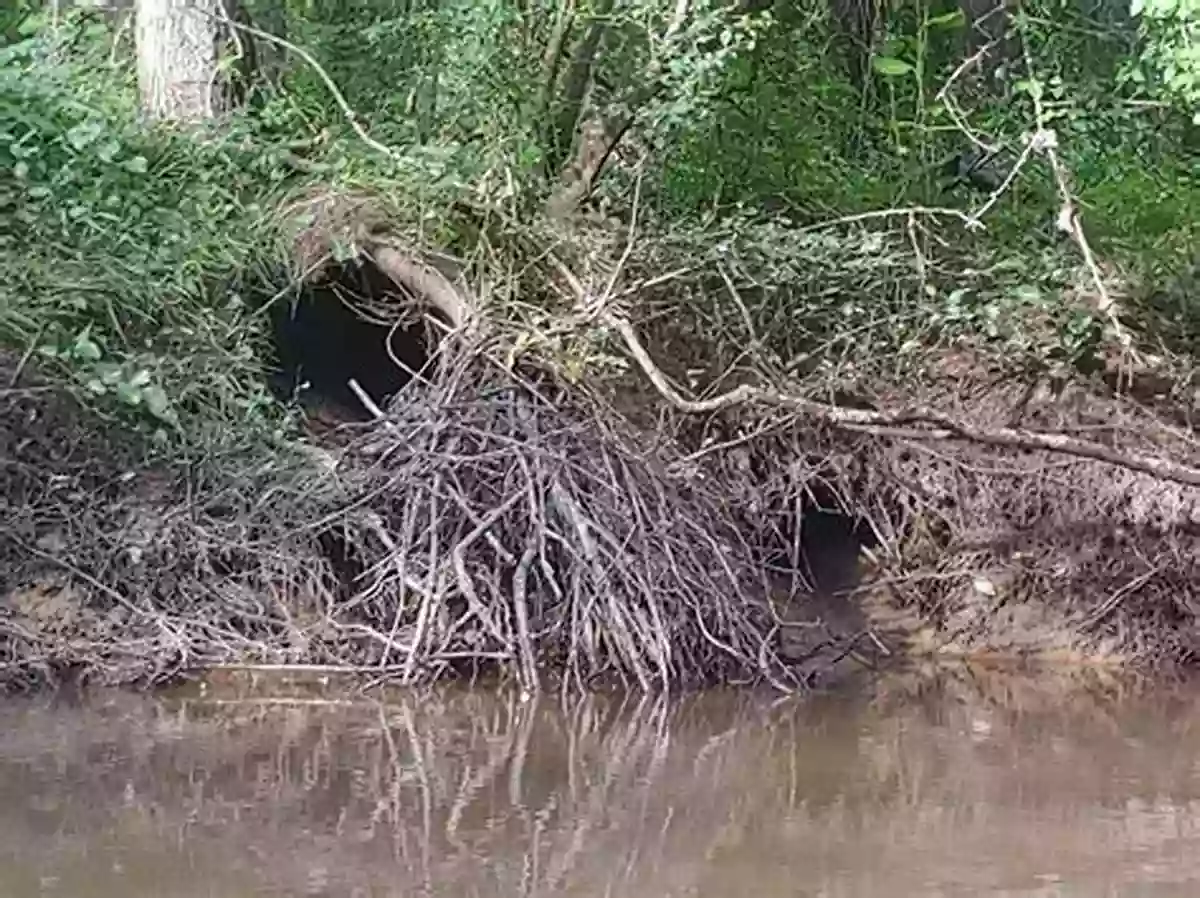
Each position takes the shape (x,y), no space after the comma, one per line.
(916,786)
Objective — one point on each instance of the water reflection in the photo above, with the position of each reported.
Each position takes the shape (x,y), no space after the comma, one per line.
(913,790)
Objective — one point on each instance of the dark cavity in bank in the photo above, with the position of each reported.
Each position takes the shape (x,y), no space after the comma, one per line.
(355,324)
(816,537)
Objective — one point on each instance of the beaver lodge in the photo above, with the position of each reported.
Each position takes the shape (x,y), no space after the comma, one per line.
(479,500)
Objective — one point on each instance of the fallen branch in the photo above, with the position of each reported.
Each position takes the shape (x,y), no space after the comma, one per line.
(922,424)
(905,212)
(945,97)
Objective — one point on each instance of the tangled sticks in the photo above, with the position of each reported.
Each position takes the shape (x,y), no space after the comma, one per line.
(477,526)
(508,528)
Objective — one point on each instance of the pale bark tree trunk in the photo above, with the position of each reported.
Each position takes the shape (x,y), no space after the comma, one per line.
(177,59)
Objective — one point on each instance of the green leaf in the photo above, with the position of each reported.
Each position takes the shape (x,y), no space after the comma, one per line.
(109,373)
(952,19)
(108,150)
(129,394)
(83,135)
(1028,293)
(157,403)
(890,66)
(1031,86)
(31,25)
(85,348)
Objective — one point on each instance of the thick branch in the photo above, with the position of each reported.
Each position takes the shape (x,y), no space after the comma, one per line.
(599,134)
(577,79)
(597,140)
(426,282)
(552,59)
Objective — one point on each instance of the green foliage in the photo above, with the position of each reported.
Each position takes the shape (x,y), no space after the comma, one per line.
(1171,29)
(121,239)
(18,18)
(115,234)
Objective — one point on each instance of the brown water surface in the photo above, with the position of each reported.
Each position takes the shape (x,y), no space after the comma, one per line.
(920,789)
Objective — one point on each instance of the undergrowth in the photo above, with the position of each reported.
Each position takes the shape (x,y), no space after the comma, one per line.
(122,240)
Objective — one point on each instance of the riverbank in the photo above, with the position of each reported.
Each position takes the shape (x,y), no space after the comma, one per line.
(495,515)
(475,395)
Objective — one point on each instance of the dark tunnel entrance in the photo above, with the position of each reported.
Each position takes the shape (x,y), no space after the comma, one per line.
(355,324)
(812,548)
(815,537)
(831,543)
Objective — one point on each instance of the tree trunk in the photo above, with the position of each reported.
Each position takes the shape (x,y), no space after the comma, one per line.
(177,59)
(576,81)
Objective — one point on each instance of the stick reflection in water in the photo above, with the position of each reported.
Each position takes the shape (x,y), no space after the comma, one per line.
(482,793)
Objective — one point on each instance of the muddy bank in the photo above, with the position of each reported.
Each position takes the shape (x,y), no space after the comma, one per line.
(118,571)
(460,505)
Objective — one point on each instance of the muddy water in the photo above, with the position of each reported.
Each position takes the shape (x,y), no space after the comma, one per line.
(923,788)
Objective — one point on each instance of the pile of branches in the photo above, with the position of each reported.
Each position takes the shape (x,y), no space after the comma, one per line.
(521,524)
(483,523)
